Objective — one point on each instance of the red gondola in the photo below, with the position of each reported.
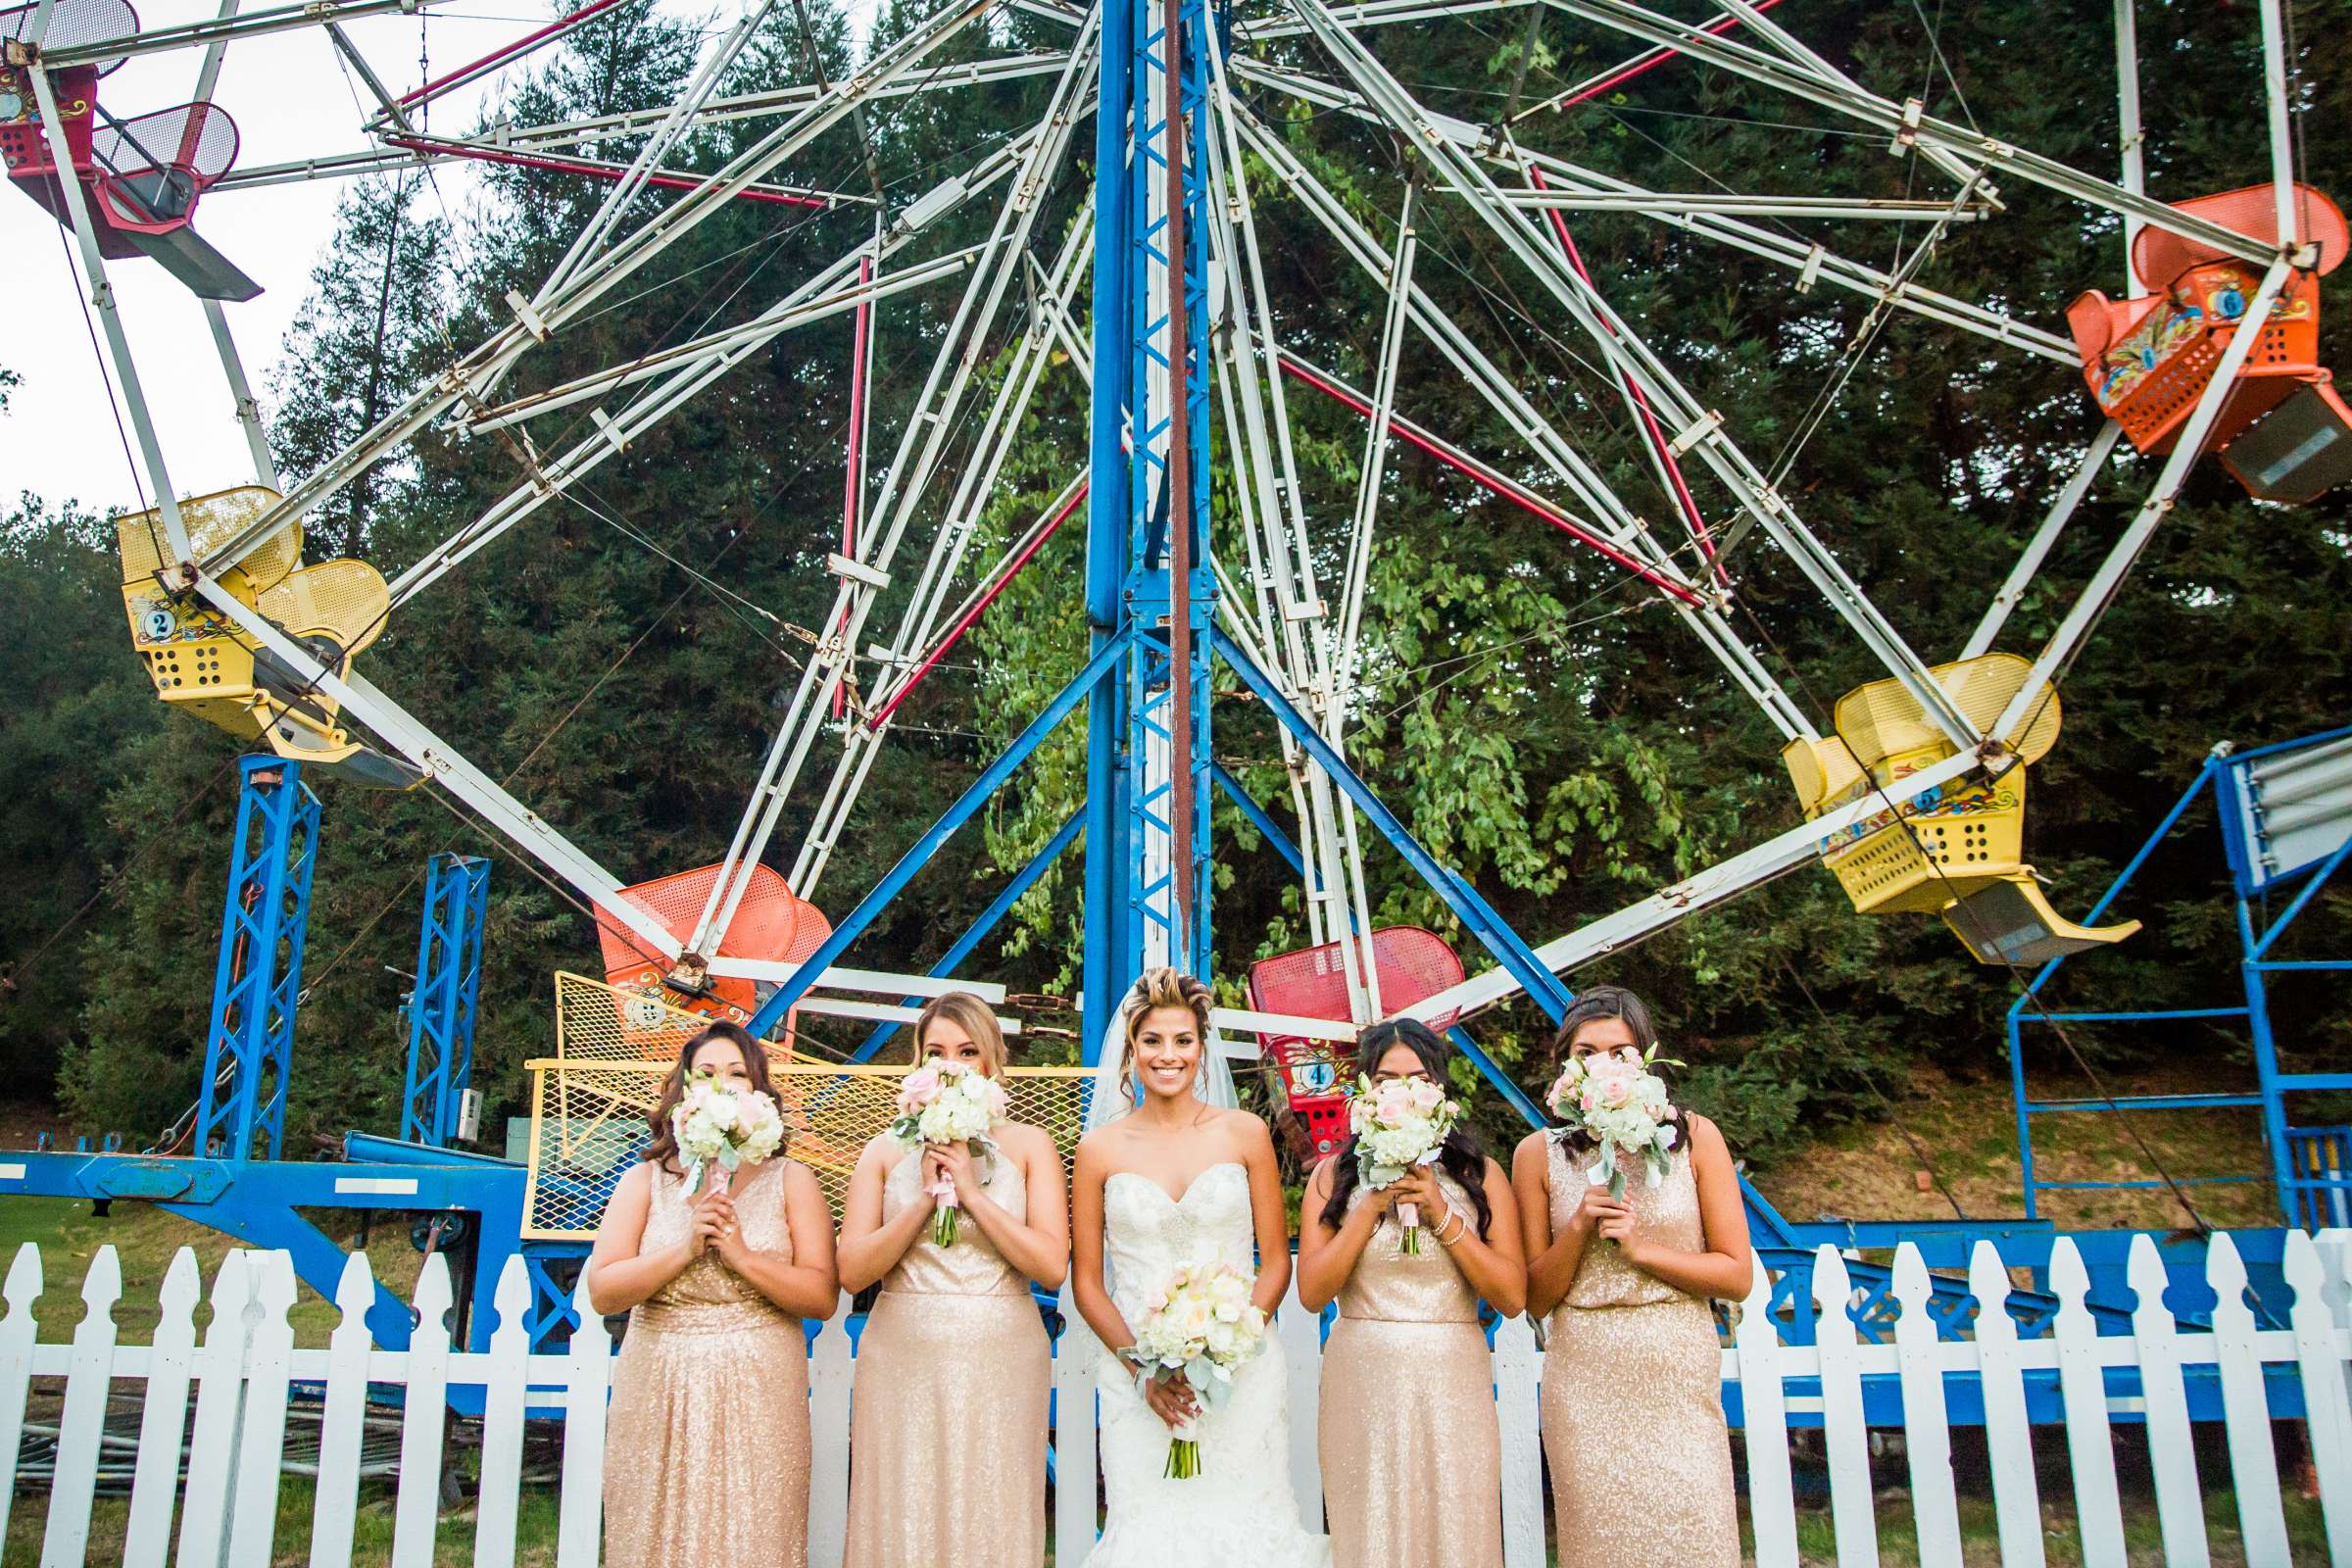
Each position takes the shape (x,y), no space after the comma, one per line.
(142,175)
(1411,963)
(2282,431)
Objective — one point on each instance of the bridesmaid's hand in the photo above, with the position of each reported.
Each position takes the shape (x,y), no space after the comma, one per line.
(1419,1186)
(710,1219)
(1172,1399)
(955,1162)
(1595,1210)
(1617,1225)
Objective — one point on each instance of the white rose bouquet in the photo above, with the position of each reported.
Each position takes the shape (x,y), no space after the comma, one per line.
(1398,1125)
(728,1127)
(1202,1324)
(1614,1098)
(948,1102)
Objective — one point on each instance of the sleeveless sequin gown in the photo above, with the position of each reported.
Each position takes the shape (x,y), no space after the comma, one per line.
(706,1447)
(1633,1394)
(1239,1511)
(1408,1401)
(948,1425)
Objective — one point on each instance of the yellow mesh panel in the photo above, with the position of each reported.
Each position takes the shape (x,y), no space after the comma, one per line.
(589,1103)
(344,600)
(213,520)
(1882,719)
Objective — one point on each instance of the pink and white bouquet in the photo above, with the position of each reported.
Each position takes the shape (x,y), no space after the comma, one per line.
(1201,1323)
(943,1102)
(1400,1125)
(726,1127)
(1614,1098)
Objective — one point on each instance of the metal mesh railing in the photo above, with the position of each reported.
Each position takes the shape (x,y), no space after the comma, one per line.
(590,1103)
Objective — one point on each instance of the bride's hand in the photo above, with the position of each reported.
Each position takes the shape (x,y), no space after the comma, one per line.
(1172,1399)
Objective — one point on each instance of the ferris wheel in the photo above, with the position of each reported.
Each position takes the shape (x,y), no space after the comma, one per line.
(1124,248)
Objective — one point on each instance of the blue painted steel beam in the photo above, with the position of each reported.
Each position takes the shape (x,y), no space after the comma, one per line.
(1023,881)
(442,1006)
(257,977)
(1258,816)
(1106,554)
(975,796)
(1479,917)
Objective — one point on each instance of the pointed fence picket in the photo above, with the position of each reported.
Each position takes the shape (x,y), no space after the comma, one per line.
(1842,1422)
(829,1413)
(219,1407)
(163,1417)
(1764,1405)
(1301,1335)
(2245,1405)
(247,1370)
(1926,1433)
(342,1423)
(2172,1451)
(83,1420)
(269,1360)
(2319,1359)
(502,1420)
(2083,1388)
(1517,1371)
(17,1332)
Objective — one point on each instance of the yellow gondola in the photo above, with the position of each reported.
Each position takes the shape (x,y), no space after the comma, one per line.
(1961,853)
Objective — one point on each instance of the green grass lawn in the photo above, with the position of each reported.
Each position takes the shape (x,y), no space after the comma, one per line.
(1980,1539)
(371,1531)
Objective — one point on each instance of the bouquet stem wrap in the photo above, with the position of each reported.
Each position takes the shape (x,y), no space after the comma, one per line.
(943,1222)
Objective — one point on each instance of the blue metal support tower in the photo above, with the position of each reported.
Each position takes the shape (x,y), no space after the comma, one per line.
(2285,814)
(1148,585)
(256,981)
(441,1008)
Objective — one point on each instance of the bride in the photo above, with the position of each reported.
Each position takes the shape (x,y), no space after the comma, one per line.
(1172,1171)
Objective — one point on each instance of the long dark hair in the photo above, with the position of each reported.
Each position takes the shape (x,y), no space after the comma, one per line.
(1460,1157)
(664,1149)
(1600,1001)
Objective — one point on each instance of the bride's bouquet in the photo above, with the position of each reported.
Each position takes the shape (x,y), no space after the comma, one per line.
(1614,1098)
(948,1102)
(726,1127)
(1202,1324)
(1398,1125)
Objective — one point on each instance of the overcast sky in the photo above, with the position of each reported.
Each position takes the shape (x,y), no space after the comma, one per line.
(291,98)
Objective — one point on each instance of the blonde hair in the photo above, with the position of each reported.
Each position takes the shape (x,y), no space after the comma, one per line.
(1156,989)
(975,1017)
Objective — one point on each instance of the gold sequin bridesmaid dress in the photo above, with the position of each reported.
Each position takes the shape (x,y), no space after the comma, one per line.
(1407,1409)
(707,1445)
(947,1418)
(1633,1394)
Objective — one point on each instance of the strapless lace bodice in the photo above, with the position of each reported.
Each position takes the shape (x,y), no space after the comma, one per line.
(1240,1509)
(1147,1234)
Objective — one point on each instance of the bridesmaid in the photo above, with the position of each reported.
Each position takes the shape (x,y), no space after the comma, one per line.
(1412,1453)
(707,1446)
(1631,1354)
(948,1431)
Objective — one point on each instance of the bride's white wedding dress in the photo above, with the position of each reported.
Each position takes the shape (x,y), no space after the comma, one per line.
(1238,1513)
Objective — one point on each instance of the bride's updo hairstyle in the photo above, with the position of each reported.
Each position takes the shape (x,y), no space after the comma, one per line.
(1154,989)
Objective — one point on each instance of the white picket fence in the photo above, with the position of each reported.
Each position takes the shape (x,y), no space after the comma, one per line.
(239,1376)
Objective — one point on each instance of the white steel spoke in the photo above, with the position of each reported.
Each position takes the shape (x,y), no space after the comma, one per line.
(901,491)
(1697,429)
(599,277)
